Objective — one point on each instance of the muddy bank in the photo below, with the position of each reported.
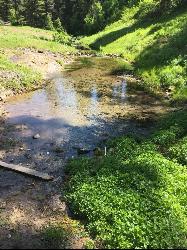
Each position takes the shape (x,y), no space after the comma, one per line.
(42,62)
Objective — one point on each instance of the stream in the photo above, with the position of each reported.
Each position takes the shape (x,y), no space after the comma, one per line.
(82,107)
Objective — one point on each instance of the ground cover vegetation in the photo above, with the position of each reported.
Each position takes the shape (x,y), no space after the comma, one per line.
(152,36)
(135,196)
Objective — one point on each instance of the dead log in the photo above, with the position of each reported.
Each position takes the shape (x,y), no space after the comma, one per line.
(27,171)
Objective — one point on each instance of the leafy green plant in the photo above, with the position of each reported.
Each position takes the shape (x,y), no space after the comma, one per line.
(135,197)
(179,151)
(166,137)
(89,244)
(49,22)
(56,236)
(62,37)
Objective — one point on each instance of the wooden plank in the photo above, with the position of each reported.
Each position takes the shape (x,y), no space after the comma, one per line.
(27,171)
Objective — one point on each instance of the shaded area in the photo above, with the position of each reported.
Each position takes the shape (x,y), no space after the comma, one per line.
(164,50)
(140,23)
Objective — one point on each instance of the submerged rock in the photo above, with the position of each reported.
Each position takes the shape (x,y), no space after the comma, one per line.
(58,149)
(37,136)
(82,151)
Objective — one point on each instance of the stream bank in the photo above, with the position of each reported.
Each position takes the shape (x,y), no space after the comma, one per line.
(81,108)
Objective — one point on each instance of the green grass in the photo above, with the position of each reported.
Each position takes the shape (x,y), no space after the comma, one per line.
(136,196)
(27,37)
(19,77)
(156,46)
(56,236)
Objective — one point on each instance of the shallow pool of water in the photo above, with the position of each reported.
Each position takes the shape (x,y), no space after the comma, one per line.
(81,107)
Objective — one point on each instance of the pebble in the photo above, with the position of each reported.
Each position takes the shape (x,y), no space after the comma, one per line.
(9,236)
(37,136)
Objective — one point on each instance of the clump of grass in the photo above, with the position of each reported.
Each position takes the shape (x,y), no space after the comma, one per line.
(56,236)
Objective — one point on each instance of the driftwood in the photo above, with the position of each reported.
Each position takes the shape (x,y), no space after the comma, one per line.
(27,171)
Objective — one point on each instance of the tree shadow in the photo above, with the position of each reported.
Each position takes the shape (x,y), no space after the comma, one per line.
(114,35)
(140,174)
(143,22)
(164,50)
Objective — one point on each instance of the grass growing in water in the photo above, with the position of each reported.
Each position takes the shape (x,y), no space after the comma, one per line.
(136,196)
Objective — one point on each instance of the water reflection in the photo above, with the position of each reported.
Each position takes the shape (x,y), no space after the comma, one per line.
(94,103)
(120,91)
(66,94)
(123,90)
(73,108)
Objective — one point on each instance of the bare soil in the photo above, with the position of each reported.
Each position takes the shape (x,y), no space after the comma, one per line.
(28,205)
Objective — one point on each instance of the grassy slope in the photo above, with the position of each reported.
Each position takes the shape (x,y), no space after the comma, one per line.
(13,38)
(27,37)
(157,47)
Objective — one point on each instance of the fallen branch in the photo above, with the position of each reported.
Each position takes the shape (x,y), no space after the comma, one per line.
(24,170)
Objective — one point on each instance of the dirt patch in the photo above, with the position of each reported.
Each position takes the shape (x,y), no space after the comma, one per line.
(43,62)
(28,205)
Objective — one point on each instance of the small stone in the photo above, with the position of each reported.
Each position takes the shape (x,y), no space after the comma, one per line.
(9,236)
(37,136)
(2,205)
(59,179)
(58,149)
(82,151)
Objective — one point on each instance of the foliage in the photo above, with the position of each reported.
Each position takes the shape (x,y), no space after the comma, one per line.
(58,25)
(94,19)
(179,151)
(62,37)
(56,236)
(49,23)
(135,197)
(78,17)
(155,44)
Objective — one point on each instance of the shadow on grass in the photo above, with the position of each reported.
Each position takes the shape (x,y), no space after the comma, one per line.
(142,23)
(164,50)
(128,185)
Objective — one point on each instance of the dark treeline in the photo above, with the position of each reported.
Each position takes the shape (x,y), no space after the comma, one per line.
(75,16)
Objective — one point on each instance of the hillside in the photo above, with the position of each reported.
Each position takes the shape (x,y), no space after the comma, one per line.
(156,46)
